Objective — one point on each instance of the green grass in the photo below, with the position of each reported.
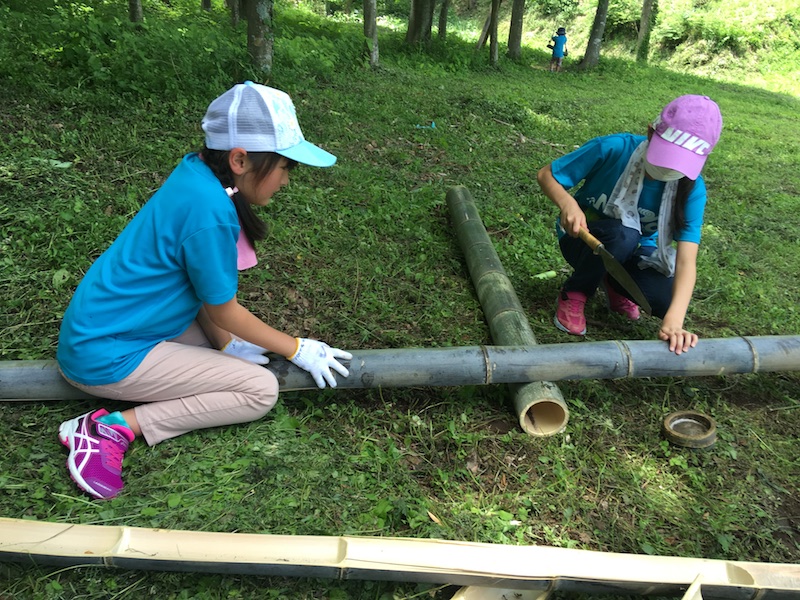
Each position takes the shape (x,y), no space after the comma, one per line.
(363,256)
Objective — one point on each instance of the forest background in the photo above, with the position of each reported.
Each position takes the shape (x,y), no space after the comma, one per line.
(95,111)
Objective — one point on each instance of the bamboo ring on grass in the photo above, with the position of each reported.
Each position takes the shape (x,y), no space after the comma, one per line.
(690,429)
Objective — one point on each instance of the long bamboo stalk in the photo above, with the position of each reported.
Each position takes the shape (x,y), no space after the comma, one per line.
(394,559)
(484,365)
(540,406)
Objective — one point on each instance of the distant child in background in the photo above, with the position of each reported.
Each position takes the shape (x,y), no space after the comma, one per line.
(156,319)
(559,45)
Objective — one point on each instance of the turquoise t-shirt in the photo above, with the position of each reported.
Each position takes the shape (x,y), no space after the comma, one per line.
(559,42)
(177,253)
(599,164)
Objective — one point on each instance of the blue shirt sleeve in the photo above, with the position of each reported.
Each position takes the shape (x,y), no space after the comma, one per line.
(569,170)
(693,214)
(209,258)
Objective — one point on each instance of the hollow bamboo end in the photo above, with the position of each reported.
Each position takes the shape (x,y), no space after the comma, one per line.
(544,417)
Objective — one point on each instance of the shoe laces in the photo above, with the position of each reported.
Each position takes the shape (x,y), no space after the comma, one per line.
(573,305)
(113,453)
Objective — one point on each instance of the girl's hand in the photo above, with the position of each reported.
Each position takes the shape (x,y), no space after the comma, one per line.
(573,219)
(677,337)
(246,350)
(318,359)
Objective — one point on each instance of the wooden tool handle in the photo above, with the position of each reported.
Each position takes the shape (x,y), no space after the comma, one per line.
(590,240)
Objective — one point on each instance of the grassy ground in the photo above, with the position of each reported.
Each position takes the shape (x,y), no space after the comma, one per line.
(362,255)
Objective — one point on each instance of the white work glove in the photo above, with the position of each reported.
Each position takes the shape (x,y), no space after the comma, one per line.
(318,359)
(246,350)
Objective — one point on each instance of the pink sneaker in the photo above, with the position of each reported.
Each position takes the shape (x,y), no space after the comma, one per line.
(619,303)
(569,315)
(95,453)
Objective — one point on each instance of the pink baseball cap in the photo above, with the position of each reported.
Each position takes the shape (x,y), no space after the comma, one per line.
(685,133)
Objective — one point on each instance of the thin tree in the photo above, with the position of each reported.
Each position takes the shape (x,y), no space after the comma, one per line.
(205,5)
(515,30)
(260,34)
(236,10)
(371,31)
(442,32)
(486,30)
(493,45)
(649,9)
(592,56)
(135,13)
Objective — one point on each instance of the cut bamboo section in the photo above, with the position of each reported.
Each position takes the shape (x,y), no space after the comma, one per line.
(540,406)
(393,559)
(482,365)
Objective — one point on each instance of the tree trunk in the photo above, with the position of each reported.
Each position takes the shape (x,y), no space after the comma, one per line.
(371,31)
(484,32)
(411,32)
(515,30)
(135,11)
(205,4)
(420,22)
(235,7)
(649,8)
(493,45)
(260,35)
(592,56)
(442,33)
(487,25)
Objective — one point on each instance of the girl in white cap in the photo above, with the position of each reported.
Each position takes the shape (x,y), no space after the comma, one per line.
(639,194)
(156,319)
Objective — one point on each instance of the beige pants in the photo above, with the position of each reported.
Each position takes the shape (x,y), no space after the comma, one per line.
(184,385)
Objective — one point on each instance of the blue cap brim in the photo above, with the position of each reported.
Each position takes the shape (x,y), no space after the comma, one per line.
(309,154)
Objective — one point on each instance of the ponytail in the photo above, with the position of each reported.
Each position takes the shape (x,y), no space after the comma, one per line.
(263,163)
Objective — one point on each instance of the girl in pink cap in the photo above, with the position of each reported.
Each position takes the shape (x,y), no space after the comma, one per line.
(637,195)
(156,319)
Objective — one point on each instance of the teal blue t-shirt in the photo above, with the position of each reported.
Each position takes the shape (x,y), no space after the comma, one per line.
(599,164)
(177,253)
(559,42)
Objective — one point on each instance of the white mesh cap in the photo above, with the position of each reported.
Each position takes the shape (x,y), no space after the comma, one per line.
(258,118)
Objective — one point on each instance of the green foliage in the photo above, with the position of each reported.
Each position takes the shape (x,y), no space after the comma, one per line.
(623,19)
(76,44)
(312,48)
(736,26)
(399,8)
(558,9)
(735,40)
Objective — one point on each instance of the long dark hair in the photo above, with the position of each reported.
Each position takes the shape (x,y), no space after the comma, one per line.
(685,187)
(263,163)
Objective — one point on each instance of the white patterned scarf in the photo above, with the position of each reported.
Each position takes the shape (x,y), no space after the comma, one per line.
(623,205)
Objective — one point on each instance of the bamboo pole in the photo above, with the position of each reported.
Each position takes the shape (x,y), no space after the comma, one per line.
(393,559)
(541,409)
(483,365)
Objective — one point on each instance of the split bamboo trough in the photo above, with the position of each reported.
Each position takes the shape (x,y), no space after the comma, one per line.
(392,559)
